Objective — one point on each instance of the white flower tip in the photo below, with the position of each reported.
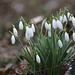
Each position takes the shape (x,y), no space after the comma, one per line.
(59,24)
(60,43)
(12,39)
(74,36)
(38,59)
(54,23)
(66,36)
(47,26)
(29,33)
(33,27)
(49,33)
(21,25)
(15,32)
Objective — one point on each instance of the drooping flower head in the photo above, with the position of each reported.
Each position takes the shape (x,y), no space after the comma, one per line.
(13,39)
(54,24)
(60,43)
(48,26)
(69,16)
(73,35)
(63,18)
(66,36)
(21,25)
(59,24)
(38,60)
(15,31)
(29,33)
(33,27)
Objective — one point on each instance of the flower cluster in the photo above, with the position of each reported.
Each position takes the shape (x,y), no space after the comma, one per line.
(58,23)
(29,31)
(50,49)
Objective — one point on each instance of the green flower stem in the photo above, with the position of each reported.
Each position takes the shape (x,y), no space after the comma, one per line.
(67,22)
(24,51)
(71,29)
(42,26)
(34,61)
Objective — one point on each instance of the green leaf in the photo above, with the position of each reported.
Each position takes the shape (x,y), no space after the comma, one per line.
(24,63)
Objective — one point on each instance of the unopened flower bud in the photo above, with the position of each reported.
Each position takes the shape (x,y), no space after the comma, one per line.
(54,24)
(66,36)
(15,32)
(59,24)
(38,59)
(12,39)
(33,28)
(74,36)
(47,26)
(73,21)
(29,33)
(60,43)
(21,25)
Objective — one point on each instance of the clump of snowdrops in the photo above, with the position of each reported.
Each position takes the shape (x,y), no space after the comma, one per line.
(50,48)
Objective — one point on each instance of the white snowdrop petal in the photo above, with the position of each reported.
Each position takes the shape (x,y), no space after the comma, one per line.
(68,15)
(33,27)
(20,25)
(29,33)
(54,24)
(47,26)
(60,43)
(15,32)
(73,21)
(61,18)
(66,36)
(27,36)
(64,19)
(38,59)
(49,33)
(12,39)
(59,24)
(74,36)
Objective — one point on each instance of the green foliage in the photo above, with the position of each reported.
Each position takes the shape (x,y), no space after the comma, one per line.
(50,53)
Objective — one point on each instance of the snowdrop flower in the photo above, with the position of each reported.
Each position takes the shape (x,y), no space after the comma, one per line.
(54,24)
(49,33)
(60,43)
(15,32)
(64,19)
(27,36)
(29,33)
(74,36)
(21,25)
(59,24)
(66,36)
(61,18)
(47,26)
(38,59)
(68,15)
(33,28)
(12,39)
(73,21)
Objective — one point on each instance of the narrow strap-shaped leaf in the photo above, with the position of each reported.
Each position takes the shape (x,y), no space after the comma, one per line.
(24,63)
(28,59)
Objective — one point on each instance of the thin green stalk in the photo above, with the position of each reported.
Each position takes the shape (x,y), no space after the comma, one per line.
(34,61)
